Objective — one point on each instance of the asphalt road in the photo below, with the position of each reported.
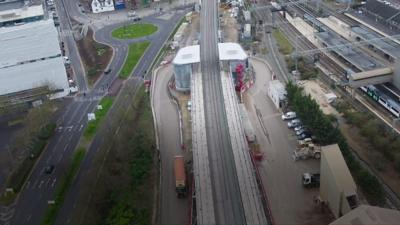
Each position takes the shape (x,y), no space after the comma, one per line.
(226,194)
(158,39)
(174,211)
(40,187)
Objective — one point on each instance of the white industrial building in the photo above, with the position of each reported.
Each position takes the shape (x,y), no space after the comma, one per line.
(30,58)
(99,6)
(277,93)
(337,189)
(25,14)
(230,55)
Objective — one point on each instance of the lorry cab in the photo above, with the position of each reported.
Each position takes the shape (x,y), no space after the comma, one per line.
(311,179)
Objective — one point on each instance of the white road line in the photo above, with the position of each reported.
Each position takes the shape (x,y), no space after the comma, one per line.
(47,182)
(54,182)
(65,147)
(80,128)
(40,185)
(59,159)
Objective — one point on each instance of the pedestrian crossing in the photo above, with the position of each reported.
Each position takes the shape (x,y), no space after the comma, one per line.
(47,183)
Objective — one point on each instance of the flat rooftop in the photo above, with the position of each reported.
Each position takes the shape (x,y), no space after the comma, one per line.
(350,54)
(187,55)
(16,13)
(30,57)
(387,46)
(31,41)
(227,51)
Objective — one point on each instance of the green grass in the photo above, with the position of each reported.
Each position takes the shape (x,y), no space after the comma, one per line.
(283,44)
(92,126)
(62,188)
(136,51)
(134,31)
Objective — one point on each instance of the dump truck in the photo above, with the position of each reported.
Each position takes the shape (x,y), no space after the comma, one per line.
(311,179)
(308,151)
(180,176)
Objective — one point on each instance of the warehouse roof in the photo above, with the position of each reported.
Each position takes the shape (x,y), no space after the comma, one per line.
(31,41)
(30,57)
(21,13)
(340,171)
(231,51)
(187,55)
(369,215)
(32,75)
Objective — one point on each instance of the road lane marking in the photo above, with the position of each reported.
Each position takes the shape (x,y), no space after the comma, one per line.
(54,182)
(80,128)
(47,182)
(61,156)
(40,185)
(65,147)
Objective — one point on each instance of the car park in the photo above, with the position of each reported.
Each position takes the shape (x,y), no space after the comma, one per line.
(294,123)
(289,116)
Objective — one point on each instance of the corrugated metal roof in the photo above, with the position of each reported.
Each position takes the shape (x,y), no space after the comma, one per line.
(30,57)
(27,42)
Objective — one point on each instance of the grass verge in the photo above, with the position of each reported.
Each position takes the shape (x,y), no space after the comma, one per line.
(284,45)
(92,126)
(136,51)
(63,186)
(124,170)
(134,31)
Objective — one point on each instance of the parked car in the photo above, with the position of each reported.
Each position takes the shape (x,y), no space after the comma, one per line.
(304,135)
(299,132)
(299,128)
(289,116)
(294,123)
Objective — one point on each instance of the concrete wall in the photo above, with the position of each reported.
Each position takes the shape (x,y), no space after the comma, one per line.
(329,191)
(396,73)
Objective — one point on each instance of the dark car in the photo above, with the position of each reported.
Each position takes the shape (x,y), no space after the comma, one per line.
(49,169)
(304,135)
(136,18)
(107,71)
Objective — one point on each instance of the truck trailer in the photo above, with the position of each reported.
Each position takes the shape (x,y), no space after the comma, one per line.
(180,176)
